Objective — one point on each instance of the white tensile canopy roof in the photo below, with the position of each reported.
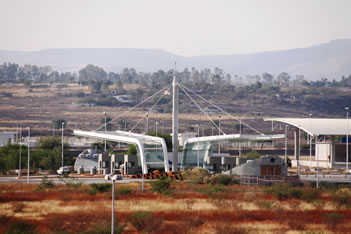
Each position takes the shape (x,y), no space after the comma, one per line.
(130,138)
(234,138)
(317,126)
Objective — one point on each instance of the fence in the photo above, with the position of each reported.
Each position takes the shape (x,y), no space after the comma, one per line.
(269,180)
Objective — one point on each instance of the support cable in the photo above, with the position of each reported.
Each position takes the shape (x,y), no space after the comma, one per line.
(146,99)
(220,109)
(208,117)
(150,109)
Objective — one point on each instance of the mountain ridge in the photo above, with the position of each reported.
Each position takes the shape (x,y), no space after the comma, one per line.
(330,60)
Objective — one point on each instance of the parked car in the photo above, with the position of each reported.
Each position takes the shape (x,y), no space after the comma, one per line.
(63,170)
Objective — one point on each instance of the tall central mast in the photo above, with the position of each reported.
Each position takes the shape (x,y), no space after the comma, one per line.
(175,121)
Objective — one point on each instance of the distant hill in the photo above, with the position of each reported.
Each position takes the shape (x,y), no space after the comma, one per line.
(330,60)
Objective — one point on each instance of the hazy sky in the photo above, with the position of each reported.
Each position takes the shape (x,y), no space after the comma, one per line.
(184,27)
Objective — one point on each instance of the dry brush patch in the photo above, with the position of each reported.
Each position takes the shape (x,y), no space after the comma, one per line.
(190,209)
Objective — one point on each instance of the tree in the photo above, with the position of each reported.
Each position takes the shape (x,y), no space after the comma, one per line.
(57,123)
(267,78)
(283,78)
(49,153)
(9,157)
(91,72)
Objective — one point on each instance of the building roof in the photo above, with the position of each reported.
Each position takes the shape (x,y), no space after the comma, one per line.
(317,126)
(235,138)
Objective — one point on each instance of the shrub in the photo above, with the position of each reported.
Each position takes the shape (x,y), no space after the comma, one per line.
(46,184)
(18,227)
(70,181)
(18,207)
(162,185)
(100,188)
(105,228)
(212,190)
(310,194)
(221,179)
(197,175)
(342,197)
(333,219)
(124,190)
(144,221)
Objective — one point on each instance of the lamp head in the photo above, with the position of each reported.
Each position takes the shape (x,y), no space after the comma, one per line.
(347,108)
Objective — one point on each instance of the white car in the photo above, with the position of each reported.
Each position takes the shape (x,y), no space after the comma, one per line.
(63,170)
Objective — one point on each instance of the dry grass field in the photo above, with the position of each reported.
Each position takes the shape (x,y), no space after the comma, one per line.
(186,208)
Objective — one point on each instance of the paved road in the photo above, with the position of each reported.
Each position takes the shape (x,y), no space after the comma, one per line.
(56,180)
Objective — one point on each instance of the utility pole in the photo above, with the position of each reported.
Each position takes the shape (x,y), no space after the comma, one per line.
(175,121)
(28,168)
(105,131)
(63,125)
(347,139)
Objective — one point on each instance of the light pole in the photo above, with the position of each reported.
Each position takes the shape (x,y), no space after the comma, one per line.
(286,144)
(240,136)
(105,129)
(198,145)
(347,139)
(113,178)
(63,125)
(219,132)
(156,124)
(20,153)
(28,154)
(161,127)
(310,142)
(147,123)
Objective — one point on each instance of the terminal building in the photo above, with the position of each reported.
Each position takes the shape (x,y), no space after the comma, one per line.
(329,138)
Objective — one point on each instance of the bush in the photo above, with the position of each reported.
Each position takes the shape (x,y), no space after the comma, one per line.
(212,190)
(46,184)
(105,228)
(310,194)
(100,188)
(333,219)
(124,190)
(197,175)
(144,221)
(342,197)
(19,227)
(162,185)
(221,179)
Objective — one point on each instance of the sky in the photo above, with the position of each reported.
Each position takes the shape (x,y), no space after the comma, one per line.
(183,27)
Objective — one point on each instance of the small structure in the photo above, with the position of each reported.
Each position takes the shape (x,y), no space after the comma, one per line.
(87,160)
(264,166)
(124,98)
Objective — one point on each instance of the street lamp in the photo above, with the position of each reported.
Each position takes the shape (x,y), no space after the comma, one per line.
(198,145)
(28,154)
(219,132)
(347,139)
(147,123)
(310,142)
(286,144)
(156,124)
(105,129)
(113,178)
(20,153)
(63,125)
